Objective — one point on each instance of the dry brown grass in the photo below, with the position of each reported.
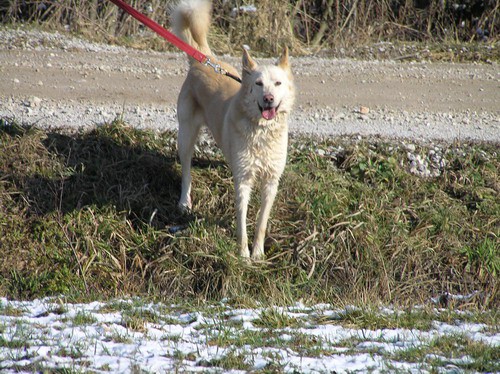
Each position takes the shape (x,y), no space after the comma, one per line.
(305,26)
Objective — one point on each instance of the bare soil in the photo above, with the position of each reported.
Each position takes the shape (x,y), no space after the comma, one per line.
(72,83)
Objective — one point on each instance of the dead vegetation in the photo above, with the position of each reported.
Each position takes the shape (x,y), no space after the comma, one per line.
(306,26)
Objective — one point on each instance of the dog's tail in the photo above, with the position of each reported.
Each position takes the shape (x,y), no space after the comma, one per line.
(191,21)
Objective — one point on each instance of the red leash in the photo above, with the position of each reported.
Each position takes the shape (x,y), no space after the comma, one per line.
(193,52)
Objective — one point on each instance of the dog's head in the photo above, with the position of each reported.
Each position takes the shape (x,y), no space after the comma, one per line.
(268,89)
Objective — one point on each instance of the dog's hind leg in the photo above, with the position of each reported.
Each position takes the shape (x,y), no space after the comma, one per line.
(190,122)
(268,194)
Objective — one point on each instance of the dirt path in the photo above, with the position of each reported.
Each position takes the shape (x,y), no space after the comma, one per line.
(58,81)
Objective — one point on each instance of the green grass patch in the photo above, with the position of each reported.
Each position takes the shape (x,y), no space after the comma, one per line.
(9,310)
(274,318)
(232,359)
(13,343)
(93,215)
(456,349)
(84,318)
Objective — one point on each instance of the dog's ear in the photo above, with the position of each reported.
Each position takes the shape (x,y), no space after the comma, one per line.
(283,60)
(248,63)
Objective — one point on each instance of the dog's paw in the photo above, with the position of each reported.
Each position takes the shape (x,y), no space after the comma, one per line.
(258,255)
(184,207)
(245,253)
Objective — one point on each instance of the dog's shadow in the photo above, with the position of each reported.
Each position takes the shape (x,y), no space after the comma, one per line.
(107,170)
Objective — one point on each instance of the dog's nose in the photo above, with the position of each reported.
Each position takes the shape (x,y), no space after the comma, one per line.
(268,99)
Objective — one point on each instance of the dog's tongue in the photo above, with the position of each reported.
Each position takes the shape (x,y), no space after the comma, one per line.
(269,113)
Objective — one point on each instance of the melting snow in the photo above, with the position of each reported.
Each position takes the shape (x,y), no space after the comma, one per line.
(46,334)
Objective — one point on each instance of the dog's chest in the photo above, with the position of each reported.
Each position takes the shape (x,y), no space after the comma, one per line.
(263,154)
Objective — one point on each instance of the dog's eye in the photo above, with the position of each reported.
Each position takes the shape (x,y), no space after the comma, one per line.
(278,83)
(259,83)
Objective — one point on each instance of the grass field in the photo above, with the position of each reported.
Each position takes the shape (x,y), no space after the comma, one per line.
(93,215)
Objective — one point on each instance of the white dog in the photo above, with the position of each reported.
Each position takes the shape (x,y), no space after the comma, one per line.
(248,120)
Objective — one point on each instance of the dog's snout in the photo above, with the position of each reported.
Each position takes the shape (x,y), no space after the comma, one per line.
(268,99)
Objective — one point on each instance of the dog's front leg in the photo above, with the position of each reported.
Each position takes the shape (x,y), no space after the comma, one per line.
(268,193)
(243,191)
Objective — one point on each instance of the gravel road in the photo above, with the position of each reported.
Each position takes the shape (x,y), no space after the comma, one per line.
(55,80)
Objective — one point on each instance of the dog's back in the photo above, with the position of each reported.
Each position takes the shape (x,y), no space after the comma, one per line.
(205,94)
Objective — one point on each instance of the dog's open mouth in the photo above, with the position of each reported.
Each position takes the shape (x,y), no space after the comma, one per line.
(269,112)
